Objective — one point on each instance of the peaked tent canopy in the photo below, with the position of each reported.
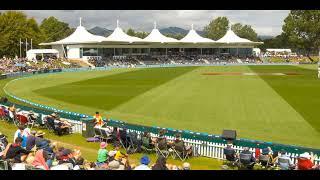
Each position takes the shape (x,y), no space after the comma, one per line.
(119,36)
(156,36)
(80,35)
(230,37)
(194,37)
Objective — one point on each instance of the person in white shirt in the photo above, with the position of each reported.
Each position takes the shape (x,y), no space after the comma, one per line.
(144,164)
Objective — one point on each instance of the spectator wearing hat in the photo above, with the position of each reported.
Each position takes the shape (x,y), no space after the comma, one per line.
(67,157)
(229,153)
(144,164)
(41,142)
(31,141)
(305,161)
(102,154)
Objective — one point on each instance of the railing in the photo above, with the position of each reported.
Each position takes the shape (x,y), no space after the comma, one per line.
(207,145)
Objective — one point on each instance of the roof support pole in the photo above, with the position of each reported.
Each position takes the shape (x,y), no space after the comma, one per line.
(201,51)
(64,52)
(237,51)
(114,51)
(166,52)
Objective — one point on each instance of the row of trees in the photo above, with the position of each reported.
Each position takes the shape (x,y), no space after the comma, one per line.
(301,31)
(15,25)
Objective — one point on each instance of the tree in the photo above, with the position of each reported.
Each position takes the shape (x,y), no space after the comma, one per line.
(280,41)
(54,30)
(244,31)
(15,25)
(217,28)
(302,27)
(141,34)
(131,32)
(175,36)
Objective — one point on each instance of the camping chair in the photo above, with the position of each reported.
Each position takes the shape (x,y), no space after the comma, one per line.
(284,164)
(49,124)
(179,150)
(245,161)
(105,135)
(97,133)
(146,146)
(231,160)
(133,142)
(4,165)
(3,115)
(162,151)
(264,160)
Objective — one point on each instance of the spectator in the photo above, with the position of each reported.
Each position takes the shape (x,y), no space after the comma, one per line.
(160,164)
(284,161)
(16,152)
(229,153)
(246,158)
(115,165)
(31,140)
(305,161)
(3,141)
(186,166)
(98,120)
(42,143)
(40,160)
(144,164)
(102,154)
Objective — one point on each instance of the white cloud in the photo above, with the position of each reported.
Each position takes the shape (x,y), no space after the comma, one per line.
(265,22)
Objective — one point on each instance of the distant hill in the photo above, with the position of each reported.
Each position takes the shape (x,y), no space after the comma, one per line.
(169,30)
(264,37)
(100,31)
(177,30)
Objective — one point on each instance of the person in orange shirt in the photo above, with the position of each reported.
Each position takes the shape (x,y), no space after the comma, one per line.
(98,119)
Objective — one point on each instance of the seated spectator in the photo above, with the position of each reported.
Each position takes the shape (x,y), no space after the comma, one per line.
(144,164)
(305,161)
(115,165)
(40,160)
(229,153)
(147,141)
(98,120)
(186,166)
(119,154)
(125,163)
(23,133)
(102,154)
(67,157)
(284,161)
(162,141)
(31,141)
(16,152)
(61,127)
(42,143)
(160,164)
(246,158)
(3,141)
(266,157)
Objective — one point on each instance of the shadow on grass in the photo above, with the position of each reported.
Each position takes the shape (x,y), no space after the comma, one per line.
(301,92)
(111,91)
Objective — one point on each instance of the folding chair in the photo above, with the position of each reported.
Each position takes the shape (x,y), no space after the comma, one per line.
(179,150)
(49,125)
(98,133)
(133,143)
(264,160)
(245,161)
(4,165)
(104,135)
(284,164)
(161,152)
(3,115)
(146,146)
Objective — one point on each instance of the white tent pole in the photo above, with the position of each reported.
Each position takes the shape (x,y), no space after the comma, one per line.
(80,21)
(20,46)
(201,51)
(26,46)
(191,26)
(117,23)
(155,25)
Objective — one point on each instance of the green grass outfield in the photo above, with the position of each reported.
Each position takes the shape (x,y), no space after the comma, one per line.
(282,109)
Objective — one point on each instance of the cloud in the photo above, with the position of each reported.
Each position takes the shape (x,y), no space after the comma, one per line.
(266,22)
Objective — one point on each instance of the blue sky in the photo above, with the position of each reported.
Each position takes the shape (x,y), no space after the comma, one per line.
(265,22)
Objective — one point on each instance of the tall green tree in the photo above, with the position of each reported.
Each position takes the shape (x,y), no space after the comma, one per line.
(141,34)
(302,27)
(244,31)
(54,30)
(14,25)
(175,36)
(217,28)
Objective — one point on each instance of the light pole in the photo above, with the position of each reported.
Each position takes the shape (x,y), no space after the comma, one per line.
(26,46)
(20,46)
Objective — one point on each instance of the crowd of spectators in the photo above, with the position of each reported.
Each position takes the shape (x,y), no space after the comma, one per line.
(10,65)
(268,159)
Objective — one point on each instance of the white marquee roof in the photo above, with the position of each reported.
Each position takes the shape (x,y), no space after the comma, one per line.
(156,36)
(194,37)
(231,37)
(119,36)
(80,35)
(42,51)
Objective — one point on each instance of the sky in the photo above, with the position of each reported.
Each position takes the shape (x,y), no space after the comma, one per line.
(264,22)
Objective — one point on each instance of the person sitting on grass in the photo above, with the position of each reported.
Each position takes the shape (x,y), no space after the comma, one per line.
(102,154)
(119,154)
(186,166)
(16,152)
(61,126)
(31,141)
(144,164)
(229,153)
(160,164)
(40,160)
